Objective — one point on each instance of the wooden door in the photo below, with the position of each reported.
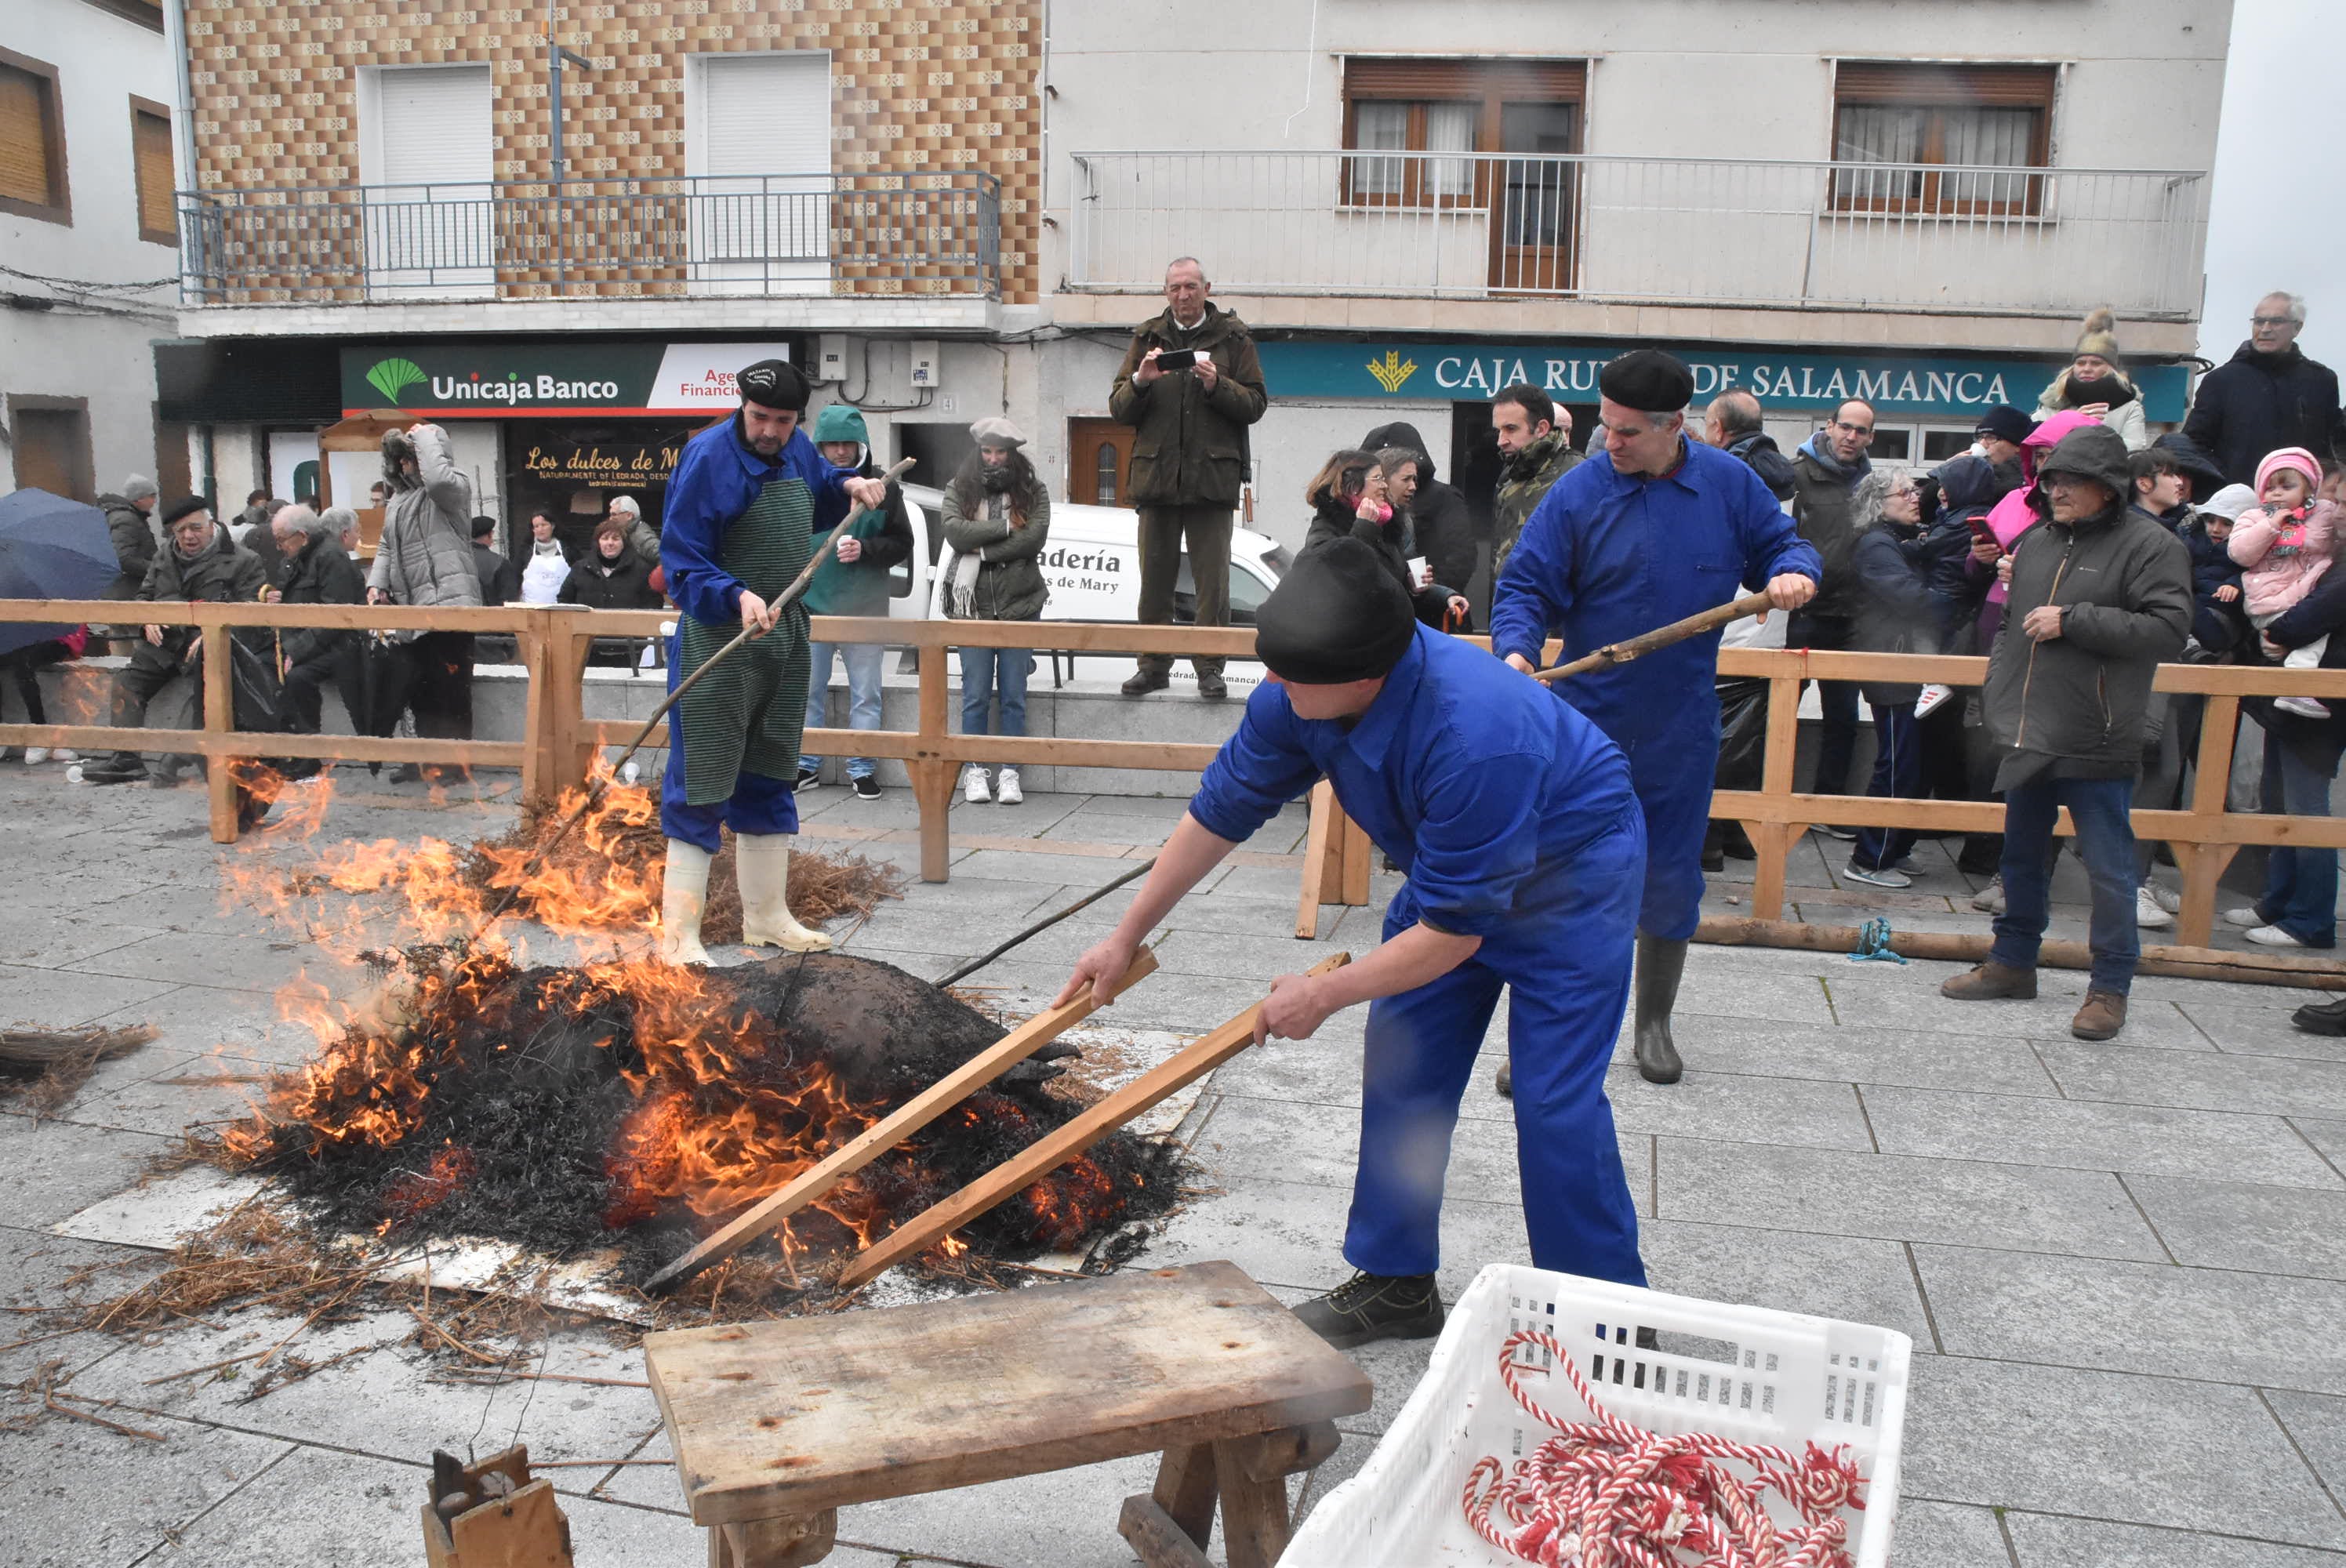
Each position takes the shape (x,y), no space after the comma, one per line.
(51,436)
(1099,461)
(1531,236)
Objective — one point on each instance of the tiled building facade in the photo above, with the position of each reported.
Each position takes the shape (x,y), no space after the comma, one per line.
(918,85)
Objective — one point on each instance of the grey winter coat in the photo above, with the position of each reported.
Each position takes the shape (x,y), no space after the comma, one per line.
(2122,582)
(136,540)
(426,554)
(1009,578)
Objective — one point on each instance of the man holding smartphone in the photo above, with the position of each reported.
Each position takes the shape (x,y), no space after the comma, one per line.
(1189,386)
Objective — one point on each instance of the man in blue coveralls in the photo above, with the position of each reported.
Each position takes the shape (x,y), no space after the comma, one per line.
(1654,529)
(738,526)
(1523,843)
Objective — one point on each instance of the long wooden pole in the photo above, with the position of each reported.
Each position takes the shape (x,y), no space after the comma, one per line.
(1694,625)
(893,1129)
(2183,963)
(1193,1062)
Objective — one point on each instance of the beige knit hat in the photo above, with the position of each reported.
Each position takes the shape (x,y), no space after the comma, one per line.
(2101,334)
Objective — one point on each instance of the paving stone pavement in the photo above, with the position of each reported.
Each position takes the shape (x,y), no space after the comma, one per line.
(2121,1265)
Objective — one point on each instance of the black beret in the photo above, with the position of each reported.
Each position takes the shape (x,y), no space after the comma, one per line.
(1648,380)
(2006,422)
(182,506)
(1337,615)
(773,383)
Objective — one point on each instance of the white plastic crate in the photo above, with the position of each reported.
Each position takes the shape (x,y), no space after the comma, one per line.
(1745,1373)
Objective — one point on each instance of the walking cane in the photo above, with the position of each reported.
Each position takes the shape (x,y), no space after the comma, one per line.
(1621,653)
(598,783)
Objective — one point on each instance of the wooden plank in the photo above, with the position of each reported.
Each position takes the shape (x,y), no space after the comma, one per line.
(1971,947)
(1191,1063)
(893,1129)
(1272,1455)
(241,743)
(774,1542)
(219,717)
(1254,1512)
(1155,1539)
(932,778)
(1187,1491)
(536,768)
(1316,837)
(788,1416)
(2203,867)
(1358,849)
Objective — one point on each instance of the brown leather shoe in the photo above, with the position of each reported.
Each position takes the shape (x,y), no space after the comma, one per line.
(1992,982)
(2103,1016)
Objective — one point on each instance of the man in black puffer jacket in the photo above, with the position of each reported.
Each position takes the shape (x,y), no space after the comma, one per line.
(2268,396)
(2100,593)
(1437,513)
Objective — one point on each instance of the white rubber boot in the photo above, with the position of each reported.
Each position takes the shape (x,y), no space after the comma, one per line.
(762,861)
(684,897)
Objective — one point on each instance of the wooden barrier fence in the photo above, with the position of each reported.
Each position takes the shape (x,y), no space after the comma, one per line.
(559,742)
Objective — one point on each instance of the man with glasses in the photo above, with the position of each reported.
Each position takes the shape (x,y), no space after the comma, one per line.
(2100,593)
(2268,396)
(1825,475)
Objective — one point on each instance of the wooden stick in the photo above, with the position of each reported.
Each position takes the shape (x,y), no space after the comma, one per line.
(49,1401)
(537,1464)
(491,1379)
(886,1133)
(1193,1062)
(2183,963)
(1612,654)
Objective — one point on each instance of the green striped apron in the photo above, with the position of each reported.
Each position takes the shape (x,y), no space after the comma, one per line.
(748,714)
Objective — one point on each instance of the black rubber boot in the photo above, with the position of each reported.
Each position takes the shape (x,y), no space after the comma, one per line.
(1660,966)
(1376,1306)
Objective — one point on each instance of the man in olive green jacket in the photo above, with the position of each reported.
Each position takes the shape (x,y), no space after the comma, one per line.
(1188,457)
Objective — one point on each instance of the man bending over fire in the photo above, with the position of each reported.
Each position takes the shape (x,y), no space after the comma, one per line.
(1526,852)
(738,526)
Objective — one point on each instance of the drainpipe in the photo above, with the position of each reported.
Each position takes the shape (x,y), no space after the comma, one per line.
(183,119)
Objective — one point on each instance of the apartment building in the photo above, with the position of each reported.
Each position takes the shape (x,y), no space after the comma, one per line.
(1414,205)
(86,213)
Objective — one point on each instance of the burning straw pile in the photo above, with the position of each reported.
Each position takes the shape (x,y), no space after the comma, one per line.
(633,1105)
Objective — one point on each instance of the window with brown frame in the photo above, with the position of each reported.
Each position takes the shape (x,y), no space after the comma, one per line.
(1950,133)
(32,141)
(150,152)
(1465,107)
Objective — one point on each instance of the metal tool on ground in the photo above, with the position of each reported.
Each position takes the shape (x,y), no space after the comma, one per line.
(1046,923)
(894,1129)
(1644,643)
(1191,1063)
(599,782)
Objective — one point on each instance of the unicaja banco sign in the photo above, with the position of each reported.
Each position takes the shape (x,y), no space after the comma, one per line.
(505,380)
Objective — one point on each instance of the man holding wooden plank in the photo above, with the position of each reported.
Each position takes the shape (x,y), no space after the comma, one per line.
(1654,529)
(1514,817)
(740,524)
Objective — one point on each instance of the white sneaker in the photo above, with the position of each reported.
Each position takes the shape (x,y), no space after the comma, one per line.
(1989,900)
(35,755)
(2146,913)
(2169,899)
(1933,695)
(63,754)
(972,785)
(2304,707)
(2273,936)
(1877,876)
(1005,788)
(2246,915)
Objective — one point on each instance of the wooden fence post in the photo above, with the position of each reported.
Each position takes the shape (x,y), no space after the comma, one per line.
(932,774)
(220,718)
(537,762)
(2203,864)
(1773,842)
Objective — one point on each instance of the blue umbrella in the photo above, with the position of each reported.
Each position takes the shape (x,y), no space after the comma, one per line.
(50,549)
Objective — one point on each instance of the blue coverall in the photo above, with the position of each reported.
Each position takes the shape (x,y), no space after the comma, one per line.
(717,481)
(1606,555)
(1513,818)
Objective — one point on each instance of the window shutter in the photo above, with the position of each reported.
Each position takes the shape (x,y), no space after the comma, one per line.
(1909,84)
(151,147)
(26,162)
(766,114)
(436,126)
(1514,81)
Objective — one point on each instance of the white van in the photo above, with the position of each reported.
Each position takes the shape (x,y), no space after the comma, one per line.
(1092,565)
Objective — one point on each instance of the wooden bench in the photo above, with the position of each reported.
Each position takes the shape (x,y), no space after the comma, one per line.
(778,1425)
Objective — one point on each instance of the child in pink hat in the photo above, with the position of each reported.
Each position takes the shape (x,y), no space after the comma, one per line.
(2283,548)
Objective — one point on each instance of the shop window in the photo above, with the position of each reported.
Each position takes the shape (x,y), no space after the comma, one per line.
(32,141)
(1951,137)
(1939,445)
(151,153)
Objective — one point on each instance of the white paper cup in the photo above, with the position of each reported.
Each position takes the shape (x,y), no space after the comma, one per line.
(1420,573)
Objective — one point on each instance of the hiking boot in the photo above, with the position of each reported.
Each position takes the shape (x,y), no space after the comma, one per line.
(1994,982)
(1989,900)
(2102,1016)
(1369,1306)
(1210,686)
(1141,682)
(2321,1017)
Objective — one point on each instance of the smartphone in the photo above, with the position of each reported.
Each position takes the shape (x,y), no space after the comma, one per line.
(1177,358)
(1980,530)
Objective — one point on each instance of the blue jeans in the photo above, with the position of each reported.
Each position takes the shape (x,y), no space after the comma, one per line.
(984,672)
(2300,885)
(862,661)
(1897,771)
(2105,841)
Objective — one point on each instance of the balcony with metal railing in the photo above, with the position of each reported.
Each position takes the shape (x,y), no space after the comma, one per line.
(756,237)
(1735,232)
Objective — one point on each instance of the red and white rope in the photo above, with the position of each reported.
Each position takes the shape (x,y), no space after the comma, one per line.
(1603,1493)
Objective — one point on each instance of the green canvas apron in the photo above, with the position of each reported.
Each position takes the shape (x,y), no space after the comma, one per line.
(747,713)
